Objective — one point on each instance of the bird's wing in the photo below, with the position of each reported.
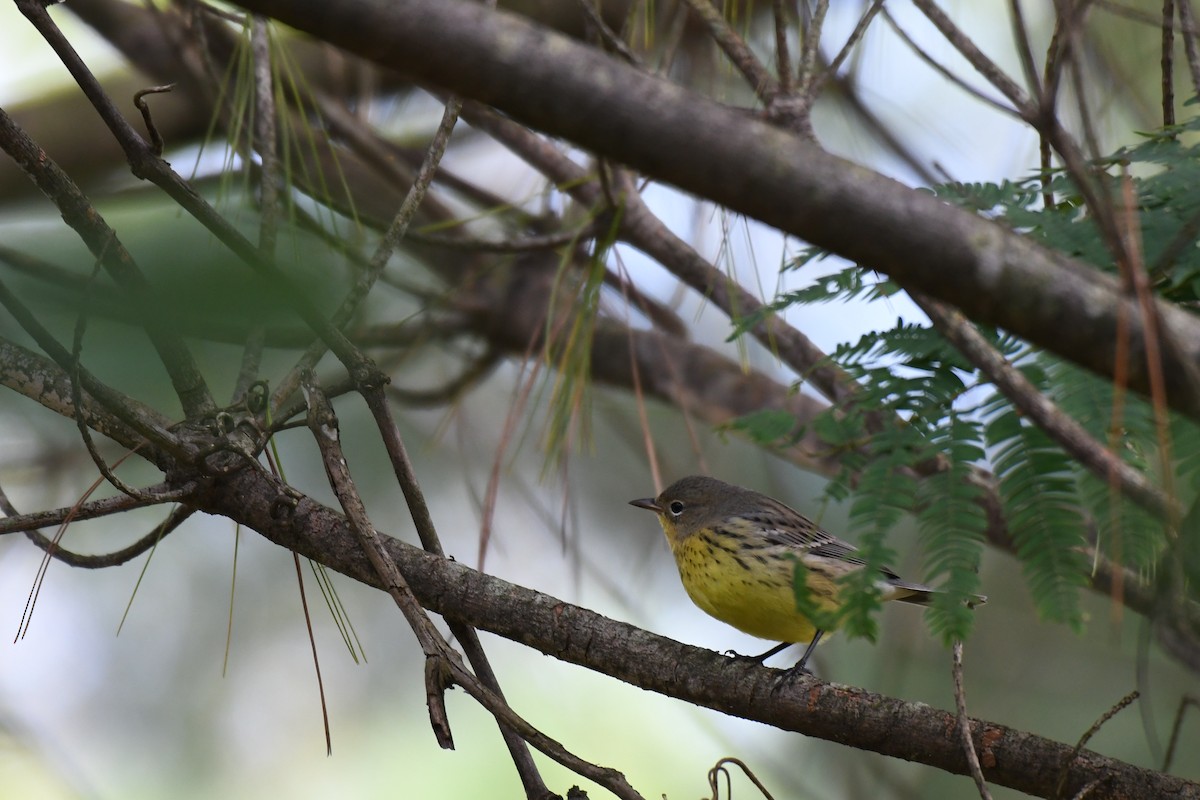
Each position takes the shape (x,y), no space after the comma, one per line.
(837,549)
(785,526)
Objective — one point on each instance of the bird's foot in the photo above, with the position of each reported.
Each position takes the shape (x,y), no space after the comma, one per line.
(796,670)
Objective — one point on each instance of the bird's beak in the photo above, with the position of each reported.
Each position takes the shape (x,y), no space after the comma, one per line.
(647,503)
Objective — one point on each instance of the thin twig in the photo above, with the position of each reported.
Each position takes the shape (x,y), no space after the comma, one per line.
(252,351)
(1087,735)
(269,171)
(397,165)
(324,427)
(860,30)
(476,370)
(1177,725)
(976,57)
(416,194)
(810,50)
(1187,23)
(1051,81)
(265,136)
(54,549)
(15,522)
(77,399)
(443,665)
(383,252)
(1167,60)
(605,34)
(467,637)
(1025,50)
(156,139)
(761,81)
(783,59)
(964,724)
(945,72)
(719,770)
(266,142)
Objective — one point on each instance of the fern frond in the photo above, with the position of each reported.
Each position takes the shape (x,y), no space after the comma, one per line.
(1185,436)
(952,523)
(1037,487)
(884,493)
(1127,534)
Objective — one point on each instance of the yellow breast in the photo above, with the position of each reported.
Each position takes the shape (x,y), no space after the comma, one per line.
(750,590)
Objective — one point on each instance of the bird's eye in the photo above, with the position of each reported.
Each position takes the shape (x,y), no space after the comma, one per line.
(676,508)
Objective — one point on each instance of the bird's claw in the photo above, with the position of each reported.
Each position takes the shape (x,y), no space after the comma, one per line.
(796,670)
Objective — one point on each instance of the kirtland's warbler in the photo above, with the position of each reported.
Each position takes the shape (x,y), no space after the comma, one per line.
(738,550)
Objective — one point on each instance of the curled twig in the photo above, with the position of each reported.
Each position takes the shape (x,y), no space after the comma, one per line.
(156,139)
(55,550)
(719,771)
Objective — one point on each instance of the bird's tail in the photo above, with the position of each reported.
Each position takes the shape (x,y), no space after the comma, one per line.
(921,595)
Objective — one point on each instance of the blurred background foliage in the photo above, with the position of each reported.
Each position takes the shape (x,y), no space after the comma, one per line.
(149,713)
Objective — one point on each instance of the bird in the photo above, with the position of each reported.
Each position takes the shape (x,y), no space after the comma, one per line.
(738,550)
